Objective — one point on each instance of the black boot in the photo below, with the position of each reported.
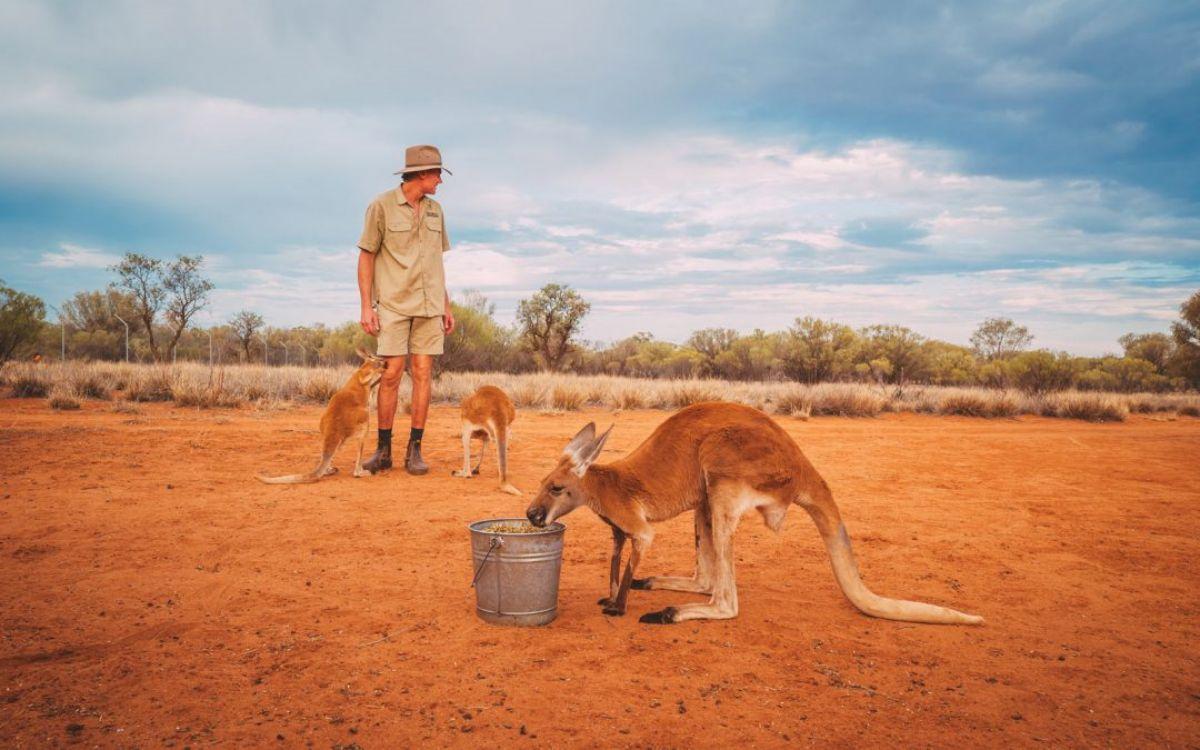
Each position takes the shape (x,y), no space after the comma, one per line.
(382,460)
(413,462)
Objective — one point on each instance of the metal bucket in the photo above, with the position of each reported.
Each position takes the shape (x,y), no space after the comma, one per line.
(516,575)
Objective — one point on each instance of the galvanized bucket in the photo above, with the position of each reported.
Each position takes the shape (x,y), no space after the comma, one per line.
(516,575)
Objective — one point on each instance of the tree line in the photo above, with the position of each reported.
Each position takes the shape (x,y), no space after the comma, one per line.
(152,304)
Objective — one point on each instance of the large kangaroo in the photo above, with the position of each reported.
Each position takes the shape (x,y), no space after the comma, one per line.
(720,460)
(350,407)
(487,413)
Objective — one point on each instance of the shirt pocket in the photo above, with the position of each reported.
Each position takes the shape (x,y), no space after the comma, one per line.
(398,239)
(433,223)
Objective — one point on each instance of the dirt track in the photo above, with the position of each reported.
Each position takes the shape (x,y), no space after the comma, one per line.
(155,594)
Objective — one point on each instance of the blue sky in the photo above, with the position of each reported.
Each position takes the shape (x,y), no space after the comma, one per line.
(683,165)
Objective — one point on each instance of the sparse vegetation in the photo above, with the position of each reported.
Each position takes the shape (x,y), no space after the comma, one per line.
(195,385)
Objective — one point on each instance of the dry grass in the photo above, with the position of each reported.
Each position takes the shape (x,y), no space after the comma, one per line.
(262,387)
(62,398)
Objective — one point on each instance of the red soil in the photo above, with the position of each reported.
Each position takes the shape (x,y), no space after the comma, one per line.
(155,594)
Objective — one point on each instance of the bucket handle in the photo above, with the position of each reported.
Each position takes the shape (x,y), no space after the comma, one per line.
(496,542)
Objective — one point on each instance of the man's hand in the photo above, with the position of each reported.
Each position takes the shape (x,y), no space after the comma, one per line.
(369,320)
(448,322)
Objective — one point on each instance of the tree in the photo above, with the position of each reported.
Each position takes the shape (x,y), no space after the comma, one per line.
(818,350)
(94,317)
(1043,371)
(997,338)
(893,353)
(712,343)
(140,277)
(21,317)
(1186,331)
(186,293)
(1155,348)
(479,343)
(245,324)
(549,320)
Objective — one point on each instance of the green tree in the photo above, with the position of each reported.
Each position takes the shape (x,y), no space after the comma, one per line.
(95,320)
(1155,348)
(998,338)
(900,347)
(1186,331)
(479,343)
(140,277)
(21,319)
(711,343)
(817,350)
(186,293)
(549,322)
(1042,371)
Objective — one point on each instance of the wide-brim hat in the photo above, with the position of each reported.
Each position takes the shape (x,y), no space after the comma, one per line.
(420,158)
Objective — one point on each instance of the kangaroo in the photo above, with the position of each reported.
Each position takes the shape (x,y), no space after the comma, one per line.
(487,413)
(350,407)
(720,460)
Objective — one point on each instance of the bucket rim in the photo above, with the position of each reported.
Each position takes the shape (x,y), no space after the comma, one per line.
(553,528)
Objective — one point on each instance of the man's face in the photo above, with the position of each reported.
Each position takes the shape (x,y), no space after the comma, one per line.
(429,180)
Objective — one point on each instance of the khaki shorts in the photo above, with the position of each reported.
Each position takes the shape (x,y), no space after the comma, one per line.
(403,334)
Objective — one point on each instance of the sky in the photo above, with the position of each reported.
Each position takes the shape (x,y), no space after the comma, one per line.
(682,165)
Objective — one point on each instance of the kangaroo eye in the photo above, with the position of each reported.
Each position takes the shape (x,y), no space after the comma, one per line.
(556,489)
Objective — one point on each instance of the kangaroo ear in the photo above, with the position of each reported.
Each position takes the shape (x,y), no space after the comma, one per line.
(580,442)
(591,453)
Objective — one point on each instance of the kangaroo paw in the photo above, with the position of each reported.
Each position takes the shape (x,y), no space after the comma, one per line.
(641,584)
(613,611)
(662,617)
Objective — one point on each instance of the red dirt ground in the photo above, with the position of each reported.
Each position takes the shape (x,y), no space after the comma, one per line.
(156,595)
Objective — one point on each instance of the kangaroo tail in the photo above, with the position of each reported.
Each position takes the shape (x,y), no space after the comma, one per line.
(845,570)
(313,476)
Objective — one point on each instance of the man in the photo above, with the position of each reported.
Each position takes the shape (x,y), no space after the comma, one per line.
(402,287)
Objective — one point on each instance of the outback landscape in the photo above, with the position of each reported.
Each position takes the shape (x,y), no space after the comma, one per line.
(156,595)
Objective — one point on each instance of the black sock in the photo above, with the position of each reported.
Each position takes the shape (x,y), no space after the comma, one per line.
(385,437)
(415,434)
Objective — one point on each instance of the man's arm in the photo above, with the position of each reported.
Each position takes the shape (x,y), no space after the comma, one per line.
(368,318)
(448,317)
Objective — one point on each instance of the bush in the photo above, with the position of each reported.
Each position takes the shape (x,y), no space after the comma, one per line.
(1093,407)
(30,385)
(797,402)
(847,401)
(631,398)
(688,393)
(63,399)
(567,398)
(154,385)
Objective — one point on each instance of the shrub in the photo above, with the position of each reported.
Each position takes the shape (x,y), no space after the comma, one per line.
(90,384)
(63,399)
(154,385)
(631,398)
(567,398)
(966,404)
(797,402)
(847,401)
(319,388)
(528,394)
(688,393)
(30,385)
(1093,407)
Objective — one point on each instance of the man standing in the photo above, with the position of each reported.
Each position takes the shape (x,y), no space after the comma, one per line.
(402,287)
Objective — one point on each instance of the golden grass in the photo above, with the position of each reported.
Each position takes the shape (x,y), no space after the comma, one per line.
(196,385)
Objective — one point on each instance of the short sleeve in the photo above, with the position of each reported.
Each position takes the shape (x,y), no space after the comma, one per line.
(372,234)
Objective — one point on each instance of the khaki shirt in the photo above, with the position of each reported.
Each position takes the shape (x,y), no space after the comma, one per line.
(409,277)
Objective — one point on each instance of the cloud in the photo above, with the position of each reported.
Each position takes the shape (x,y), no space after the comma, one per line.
(74,256)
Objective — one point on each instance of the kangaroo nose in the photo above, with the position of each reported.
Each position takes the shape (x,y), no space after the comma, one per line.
(536,516)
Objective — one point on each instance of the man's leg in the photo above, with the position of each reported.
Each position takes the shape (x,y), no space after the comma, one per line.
(422,386)
(389,389)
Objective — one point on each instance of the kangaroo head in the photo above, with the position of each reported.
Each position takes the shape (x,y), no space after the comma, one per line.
(562,490)
(371,370)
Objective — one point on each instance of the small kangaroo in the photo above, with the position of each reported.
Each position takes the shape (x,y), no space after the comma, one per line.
(721,460)
(350,407)
(487,413)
